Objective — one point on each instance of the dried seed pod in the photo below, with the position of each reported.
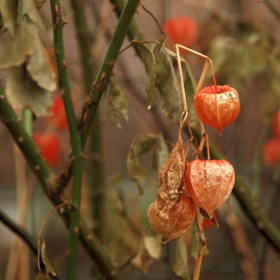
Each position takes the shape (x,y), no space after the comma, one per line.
(179,219)
(172,176)
(209,183)
(217,106)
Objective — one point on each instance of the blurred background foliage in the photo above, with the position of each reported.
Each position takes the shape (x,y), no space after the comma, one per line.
(242,39)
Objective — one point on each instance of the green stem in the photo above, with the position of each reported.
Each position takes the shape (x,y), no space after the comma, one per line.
(47,179)
(74,137)
(104,73)
(272,9)
(94,166)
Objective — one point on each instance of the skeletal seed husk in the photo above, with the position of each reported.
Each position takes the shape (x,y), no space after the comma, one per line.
(178,220)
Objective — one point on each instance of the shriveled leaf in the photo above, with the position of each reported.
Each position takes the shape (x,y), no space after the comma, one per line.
(194,243)
(174,55)
(39,67)
(161,153)
(140,145)
(45,258)
(32,12)
(149,61)
(21,46)
(180,265)
(169,86)
(40,3)
(41,276)
(153,245)
(23,92)
(190,89)
(9,13)
(142,260)
(117,103)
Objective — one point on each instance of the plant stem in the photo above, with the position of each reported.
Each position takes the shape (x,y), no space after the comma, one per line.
(95,169)
(58,23)
(106,68)
(47,178)
(18,230)
(273,10)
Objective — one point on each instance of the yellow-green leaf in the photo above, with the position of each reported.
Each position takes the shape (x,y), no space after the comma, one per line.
(153,245)
(21,46)
(9,13)
(32,12)
(23,92)
(117,103)
(45,258)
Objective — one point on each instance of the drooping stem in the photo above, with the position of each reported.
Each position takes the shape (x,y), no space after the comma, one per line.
(58,22)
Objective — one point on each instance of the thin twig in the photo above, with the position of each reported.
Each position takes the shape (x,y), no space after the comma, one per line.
(154,18)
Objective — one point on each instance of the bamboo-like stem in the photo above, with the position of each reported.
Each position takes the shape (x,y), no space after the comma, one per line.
(95,166)
(104,73)
(47,180)
(58,22)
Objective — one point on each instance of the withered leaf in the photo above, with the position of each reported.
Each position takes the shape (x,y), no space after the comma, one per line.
(140,145)
(190,89)
(161,152)
(117,103)
(142,260)
(22,45)
(9,13)
(153,245)
(169,86)
(23,92)
(40,276)
(32,12)
(149,61)
(39,67)
(45,258)
(180,265)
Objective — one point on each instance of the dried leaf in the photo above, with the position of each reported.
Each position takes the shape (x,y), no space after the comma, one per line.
(140,145)
(153,245)
(22,45)
(149,61)
(39,67)
(168,84)
(180,265)
(45,258)
(23,92)
(9,13)
(194,243)
(32,12)
(172,176)
(190,89)
(161,153)
(142,260)
(174,55)
(117,103)
(41,276)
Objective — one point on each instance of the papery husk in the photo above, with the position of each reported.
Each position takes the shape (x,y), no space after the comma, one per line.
(217,106)
(209,183)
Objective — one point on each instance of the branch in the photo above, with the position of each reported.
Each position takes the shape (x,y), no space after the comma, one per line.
(273,10)
(46,178)
(20,231)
